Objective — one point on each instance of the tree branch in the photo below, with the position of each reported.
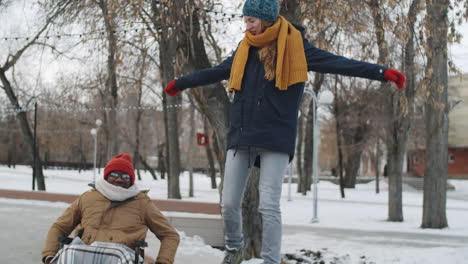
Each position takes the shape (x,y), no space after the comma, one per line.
(12,59)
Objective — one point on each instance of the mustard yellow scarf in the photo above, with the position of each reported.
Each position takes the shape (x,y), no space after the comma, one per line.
(291,64)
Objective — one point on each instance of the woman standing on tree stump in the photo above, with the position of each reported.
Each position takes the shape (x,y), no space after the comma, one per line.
(267,73)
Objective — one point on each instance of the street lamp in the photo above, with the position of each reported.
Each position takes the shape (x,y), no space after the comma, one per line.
(325,97)
(94,133)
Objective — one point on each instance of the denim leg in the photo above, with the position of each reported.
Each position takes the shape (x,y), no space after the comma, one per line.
(235,178)
(273,168)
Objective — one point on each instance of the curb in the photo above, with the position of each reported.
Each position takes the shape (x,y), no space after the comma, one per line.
(163,205)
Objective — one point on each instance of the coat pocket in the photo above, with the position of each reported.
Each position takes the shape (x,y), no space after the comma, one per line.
(236,112)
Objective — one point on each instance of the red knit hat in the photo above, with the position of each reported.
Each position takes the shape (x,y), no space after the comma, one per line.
(123,163)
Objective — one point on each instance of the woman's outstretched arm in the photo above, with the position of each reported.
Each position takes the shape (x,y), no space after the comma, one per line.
(325,62)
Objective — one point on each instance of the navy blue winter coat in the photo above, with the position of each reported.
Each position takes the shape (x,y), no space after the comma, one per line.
(263,116)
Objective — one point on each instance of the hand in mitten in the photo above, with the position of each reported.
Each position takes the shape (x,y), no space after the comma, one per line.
(171,89)
(395,76)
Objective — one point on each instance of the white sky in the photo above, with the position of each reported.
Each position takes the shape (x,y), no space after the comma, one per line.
(459,52)
(18,21)
(362,210)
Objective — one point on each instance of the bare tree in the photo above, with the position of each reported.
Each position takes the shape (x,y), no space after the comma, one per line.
(12,92)
(212,100)
(164,15)
(189,52)
(397,131)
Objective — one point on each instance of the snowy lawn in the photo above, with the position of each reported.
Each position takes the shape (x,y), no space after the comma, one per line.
(361,211)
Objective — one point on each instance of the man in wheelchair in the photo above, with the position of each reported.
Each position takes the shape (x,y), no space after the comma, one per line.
(114,211)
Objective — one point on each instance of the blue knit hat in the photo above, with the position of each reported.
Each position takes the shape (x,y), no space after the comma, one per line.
(264,9)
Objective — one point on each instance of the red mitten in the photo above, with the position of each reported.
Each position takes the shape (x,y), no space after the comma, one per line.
(395,76)
(171,89)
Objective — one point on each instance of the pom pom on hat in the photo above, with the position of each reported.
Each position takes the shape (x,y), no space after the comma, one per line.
(264,9)
(123,163)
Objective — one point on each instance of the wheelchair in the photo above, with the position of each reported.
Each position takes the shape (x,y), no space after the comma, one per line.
(74,250)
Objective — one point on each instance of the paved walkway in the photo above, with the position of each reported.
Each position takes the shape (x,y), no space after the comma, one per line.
(26,243)
(25,226)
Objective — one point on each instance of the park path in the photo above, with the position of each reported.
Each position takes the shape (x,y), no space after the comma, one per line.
(24,244)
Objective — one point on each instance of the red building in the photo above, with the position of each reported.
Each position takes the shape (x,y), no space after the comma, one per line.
(458,133)
(457,163)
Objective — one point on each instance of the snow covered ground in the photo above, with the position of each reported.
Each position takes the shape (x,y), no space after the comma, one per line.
(350,230)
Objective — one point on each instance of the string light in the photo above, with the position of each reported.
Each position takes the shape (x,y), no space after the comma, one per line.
(6,109)
(49,131)
(15,111)
(90,109)
(102,33)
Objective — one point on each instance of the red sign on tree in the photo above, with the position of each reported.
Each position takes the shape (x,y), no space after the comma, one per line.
(202,139)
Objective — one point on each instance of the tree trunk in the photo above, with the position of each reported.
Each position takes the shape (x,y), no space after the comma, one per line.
(401,113)
(291,10)
(172,139)
(168,47)
(211,170)
(377,167)
(147,166)
(191,147)
(337,112)
(354,138)
(136,154)
(309,135)
(300,149)
(111,82)
(162,163)
(139,113)
(306,180)
(139,85)
(353,163)
(251,218)
(435,178)
(221,165)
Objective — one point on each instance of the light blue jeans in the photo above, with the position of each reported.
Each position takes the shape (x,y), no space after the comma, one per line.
(273,167)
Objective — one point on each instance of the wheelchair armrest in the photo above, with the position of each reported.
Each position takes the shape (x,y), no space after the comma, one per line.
(139,251)
(141,244)
(64,241)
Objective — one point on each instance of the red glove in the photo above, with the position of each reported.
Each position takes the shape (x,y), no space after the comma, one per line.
(395,76)
(171,89)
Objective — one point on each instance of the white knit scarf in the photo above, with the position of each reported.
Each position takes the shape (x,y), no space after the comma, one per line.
(116,193)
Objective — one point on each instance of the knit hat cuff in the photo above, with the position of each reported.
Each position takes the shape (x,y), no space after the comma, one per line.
(264,9)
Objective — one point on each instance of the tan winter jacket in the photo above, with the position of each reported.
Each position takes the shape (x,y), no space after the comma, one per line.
(119,222)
